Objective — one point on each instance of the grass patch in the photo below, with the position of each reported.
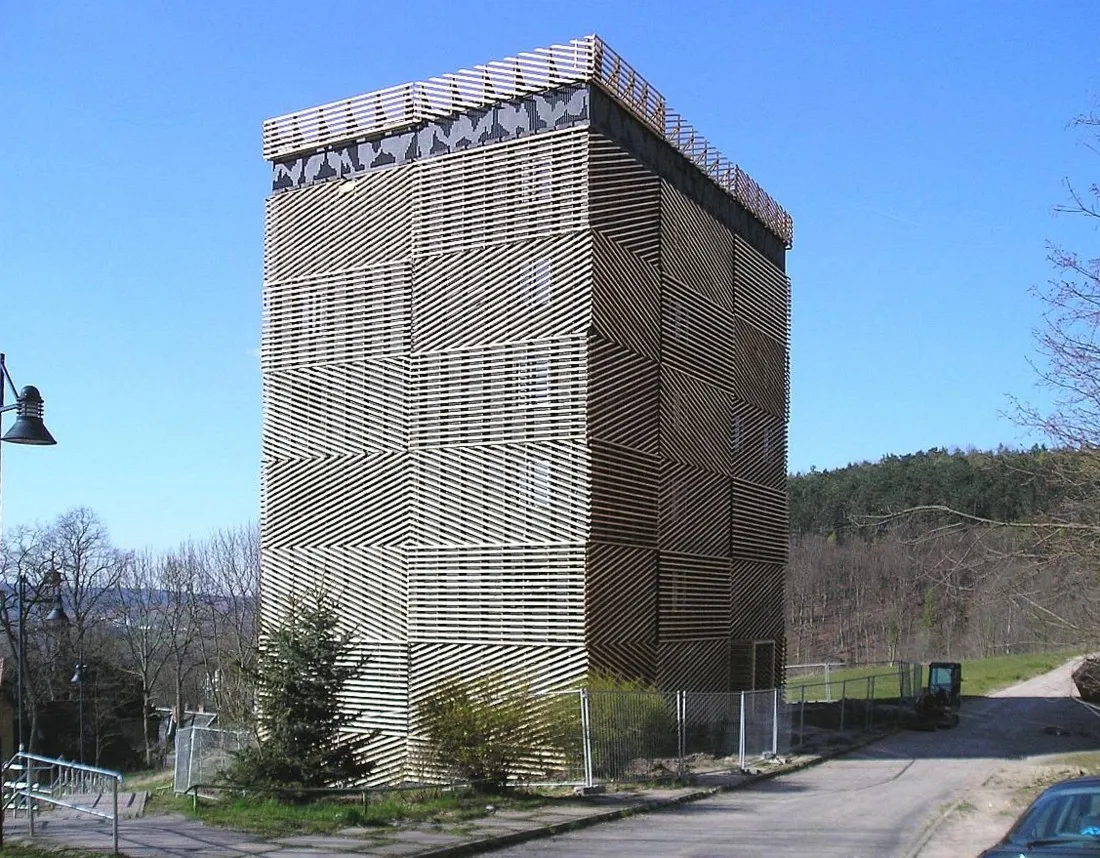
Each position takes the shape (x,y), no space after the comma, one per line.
(981,676)
(272,818)
(850,681)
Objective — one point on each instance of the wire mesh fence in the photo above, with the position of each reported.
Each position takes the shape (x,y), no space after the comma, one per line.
(203,753)
(602,736)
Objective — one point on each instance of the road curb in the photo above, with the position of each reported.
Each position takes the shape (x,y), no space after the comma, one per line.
(514,838)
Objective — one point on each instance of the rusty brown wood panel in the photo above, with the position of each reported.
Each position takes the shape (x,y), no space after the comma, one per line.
(694,597)
(624,495)
(694,508)
(626,298)
(624,396)
(621,596)
(763,292)
(695,421)
(760,369)
(698,665)
(760,523)
(759,443)
(696,334)
(696,250)
(756,600)
(625,199)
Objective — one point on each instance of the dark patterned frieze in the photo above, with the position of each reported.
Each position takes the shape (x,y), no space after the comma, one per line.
(552,110)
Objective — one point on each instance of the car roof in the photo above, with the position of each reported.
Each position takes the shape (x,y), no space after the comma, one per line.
(1071,783)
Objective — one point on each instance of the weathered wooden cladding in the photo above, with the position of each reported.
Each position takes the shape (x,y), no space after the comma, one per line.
(762,292)
(337,227)
(695,421)
(525,291)
(525,406)
(625,200)
(331,501)
(694,597)
(372,582)
(624,486)
(694,665)
(532,188)
(760,522)
(336,409)
(624,396)
(759,443)
(755,589)
(626,298)
(501,493)
(497,593)
(621,598)
(694,511)
(696,250)
(525,391)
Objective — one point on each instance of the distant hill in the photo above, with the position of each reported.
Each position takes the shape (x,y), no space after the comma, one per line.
(1006,485)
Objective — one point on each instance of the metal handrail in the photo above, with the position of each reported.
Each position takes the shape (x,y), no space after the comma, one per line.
(67,775)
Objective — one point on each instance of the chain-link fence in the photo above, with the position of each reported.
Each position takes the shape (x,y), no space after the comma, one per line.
(203,753)
(846,702)
(601,735)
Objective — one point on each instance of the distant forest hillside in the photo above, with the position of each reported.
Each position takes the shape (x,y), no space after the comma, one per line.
(1006,485)
(930,585)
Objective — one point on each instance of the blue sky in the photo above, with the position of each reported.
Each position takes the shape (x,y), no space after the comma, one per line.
(920,147)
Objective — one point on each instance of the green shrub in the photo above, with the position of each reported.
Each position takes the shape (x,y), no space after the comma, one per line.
(481,731)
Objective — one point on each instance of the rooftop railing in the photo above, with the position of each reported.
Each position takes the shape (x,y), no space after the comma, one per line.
(587,59)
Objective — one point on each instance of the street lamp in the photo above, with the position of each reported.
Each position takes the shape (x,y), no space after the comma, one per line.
(78,681)
(27,429)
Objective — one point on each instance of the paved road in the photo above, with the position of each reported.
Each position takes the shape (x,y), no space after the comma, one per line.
(881,800)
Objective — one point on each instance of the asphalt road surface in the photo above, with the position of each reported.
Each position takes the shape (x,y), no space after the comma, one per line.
(884,799)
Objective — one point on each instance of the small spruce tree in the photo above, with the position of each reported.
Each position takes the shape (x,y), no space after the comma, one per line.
(302,669)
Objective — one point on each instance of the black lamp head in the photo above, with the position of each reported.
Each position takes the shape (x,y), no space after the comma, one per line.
(28,427)
(57,618)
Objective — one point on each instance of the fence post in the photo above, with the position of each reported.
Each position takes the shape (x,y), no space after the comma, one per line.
(741,738)
(775,722)
(869,721)
(114,817)
(586,730)
(681,727)
(843,697)
(28,776)
(802,718)
(828,685)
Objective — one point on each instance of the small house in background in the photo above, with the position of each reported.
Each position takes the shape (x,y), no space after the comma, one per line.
(525,385)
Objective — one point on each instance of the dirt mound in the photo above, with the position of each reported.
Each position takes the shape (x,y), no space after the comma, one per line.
(1087,679)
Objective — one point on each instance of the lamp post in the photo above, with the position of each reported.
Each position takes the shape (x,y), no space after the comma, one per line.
(27,429)
(78,681)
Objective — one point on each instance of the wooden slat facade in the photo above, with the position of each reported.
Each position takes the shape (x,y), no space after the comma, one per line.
(525,412)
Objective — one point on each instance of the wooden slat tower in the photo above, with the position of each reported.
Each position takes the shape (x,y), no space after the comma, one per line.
(525,385)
